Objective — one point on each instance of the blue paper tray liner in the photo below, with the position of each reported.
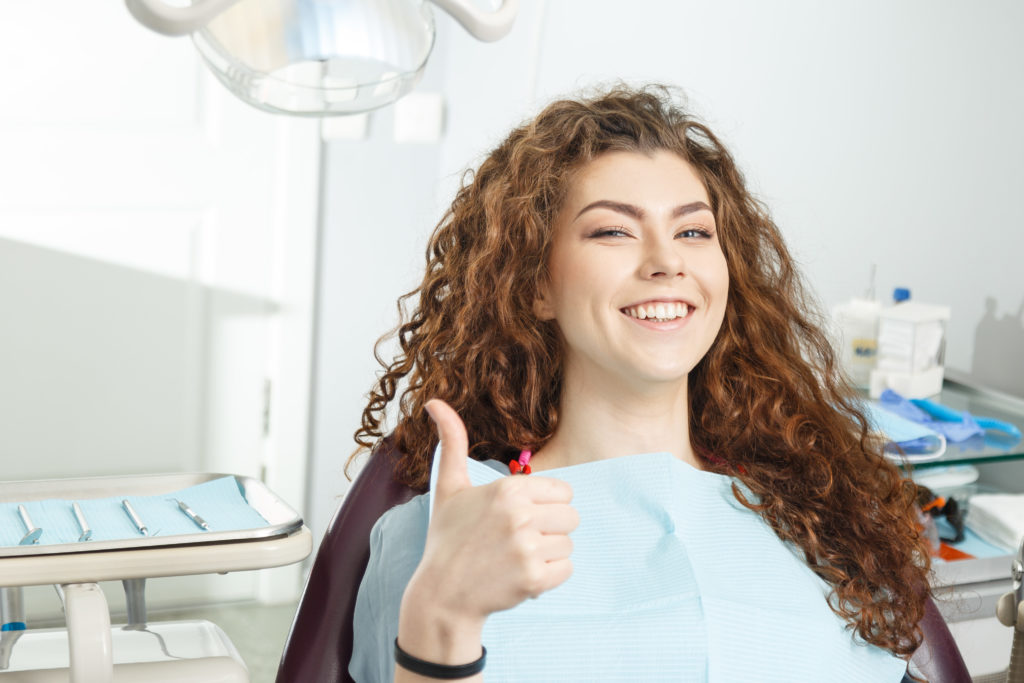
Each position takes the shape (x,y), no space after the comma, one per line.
(219,502)
(897,429)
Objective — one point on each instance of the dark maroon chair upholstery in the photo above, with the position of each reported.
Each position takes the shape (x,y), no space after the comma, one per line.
(938,657)
(319,645)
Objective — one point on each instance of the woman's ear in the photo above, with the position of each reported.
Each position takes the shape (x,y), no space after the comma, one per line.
(543,307)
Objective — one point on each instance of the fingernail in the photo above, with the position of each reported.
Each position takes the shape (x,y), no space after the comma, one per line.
(429,409)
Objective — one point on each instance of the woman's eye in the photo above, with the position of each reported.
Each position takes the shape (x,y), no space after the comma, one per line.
(690,233)
(609,232)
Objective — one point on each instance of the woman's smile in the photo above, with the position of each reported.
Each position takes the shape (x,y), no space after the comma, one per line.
(658,315)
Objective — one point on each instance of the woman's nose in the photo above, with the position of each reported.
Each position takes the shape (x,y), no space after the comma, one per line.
(663,258)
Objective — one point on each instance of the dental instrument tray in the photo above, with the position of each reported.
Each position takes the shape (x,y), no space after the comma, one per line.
(93,514)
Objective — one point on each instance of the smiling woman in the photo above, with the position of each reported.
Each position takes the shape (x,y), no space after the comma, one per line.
(606,294)
(637,283)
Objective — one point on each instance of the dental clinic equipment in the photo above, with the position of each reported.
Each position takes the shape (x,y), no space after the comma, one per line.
(906,439)
(998,518)
(83,525)
(857,322)
(318,57)
(80,523)
(1010,612)
(956,430)
(947,414)
(856,334)
(252,528)
(135,518)
(12,610)
(911,349)
(200,522)
(955,425)
(32,532)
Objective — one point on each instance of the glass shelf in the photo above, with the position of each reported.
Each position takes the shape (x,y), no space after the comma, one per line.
(994,446)
(986,574)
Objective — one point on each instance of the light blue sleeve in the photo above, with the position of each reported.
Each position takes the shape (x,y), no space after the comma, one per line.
(396,546)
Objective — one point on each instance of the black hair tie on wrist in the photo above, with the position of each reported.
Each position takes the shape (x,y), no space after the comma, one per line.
(432,670)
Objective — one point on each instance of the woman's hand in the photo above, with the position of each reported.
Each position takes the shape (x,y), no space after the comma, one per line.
(488,548)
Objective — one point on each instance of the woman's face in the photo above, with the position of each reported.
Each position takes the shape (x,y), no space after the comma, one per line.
(637,278)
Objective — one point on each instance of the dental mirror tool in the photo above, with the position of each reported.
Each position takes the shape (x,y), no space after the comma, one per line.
(32,531)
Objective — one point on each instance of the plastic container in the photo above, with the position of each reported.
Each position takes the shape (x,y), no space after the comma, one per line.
(911,346)
(857,338)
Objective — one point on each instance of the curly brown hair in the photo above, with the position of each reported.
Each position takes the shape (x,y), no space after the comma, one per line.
(768,405)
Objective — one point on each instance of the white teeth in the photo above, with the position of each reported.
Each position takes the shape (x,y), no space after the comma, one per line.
(660,311)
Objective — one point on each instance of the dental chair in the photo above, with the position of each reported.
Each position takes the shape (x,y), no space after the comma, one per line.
(319,645)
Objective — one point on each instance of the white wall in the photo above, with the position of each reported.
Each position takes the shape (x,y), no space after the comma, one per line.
(378,207)
(878,132)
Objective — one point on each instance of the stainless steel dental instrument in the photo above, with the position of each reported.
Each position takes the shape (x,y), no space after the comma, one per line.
(135,518)
(82,524)
(200,522)
(32,531)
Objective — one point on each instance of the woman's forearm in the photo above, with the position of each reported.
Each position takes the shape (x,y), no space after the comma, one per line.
(427,633)
(488,549)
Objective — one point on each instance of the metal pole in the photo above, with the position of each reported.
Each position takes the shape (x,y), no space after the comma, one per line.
(135,598)
(12,609)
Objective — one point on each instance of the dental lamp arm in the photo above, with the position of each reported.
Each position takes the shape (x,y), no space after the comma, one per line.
(175,21)
(485,26)
(178,21)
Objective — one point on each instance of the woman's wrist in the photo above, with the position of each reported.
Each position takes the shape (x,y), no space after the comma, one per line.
(433,670)
(429,631)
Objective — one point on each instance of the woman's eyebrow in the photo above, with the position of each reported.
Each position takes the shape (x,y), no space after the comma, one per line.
(638,213)
(692,207)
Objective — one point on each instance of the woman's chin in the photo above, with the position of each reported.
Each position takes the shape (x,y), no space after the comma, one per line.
(663,376)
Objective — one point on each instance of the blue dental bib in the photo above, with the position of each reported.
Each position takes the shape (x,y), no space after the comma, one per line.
(673,580)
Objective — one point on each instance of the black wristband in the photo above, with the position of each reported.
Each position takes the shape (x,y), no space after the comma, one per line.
(432,670)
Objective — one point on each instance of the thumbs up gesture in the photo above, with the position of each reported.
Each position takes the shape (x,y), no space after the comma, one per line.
(488,547)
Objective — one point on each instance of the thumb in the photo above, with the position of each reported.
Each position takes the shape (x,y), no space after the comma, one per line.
(452,475)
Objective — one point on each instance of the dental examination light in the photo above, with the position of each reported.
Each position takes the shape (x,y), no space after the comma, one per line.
(317,57)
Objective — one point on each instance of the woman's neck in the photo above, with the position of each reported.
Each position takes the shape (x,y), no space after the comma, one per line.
(597,422)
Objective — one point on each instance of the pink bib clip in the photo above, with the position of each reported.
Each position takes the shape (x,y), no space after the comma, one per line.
(522,465)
